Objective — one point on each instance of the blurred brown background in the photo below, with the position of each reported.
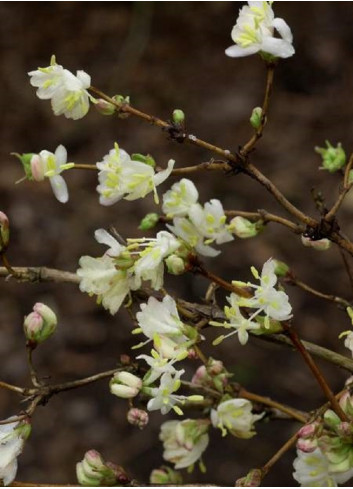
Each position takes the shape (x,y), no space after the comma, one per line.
(165,55)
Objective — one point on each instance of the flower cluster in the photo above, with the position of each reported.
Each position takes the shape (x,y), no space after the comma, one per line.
(254,32)
(325,448)
(124,268)
(271,306)
(199,226)
(94,471)
(67,92)
(121,176)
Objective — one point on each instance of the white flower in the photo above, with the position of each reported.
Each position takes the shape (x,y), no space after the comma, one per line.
(120,177)
(12,438)
(254,32)
(188,232)
(178,200)
(100,276)
(184,441)
(266,299)
(236,321)
(158,366)
(236,417)
(312,469)
(210,221)
(47,164)
(103,237)
(163,397)
(150,264)
(68,93)
(160,318)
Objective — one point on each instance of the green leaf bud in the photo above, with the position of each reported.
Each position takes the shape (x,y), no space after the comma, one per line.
(178,117)
(256,118)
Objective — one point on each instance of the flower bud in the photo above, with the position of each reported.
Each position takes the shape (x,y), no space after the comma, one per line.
(149,221)
(319,244)
(165,476)
(256,118)
(146,159)
(121,100)
(93,471)
(104,107)
(281,268)
(4,231)
(37,168)
(308,430)
(346,403)
(333,159)
(252,479)
(175,264)
(178,117)
(331,419)
(307,445)
(138,417)
(39,324)
(125,385)
(243,228)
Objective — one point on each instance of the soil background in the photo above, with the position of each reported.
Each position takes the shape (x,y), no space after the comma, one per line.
(166,55)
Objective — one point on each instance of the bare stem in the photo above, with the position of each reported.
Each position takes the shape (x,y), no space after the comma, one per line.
(265,105)
(284,448)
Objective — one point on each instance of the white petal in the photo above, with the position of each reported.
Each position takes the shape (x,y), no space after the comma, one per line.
(164,174)
(283,28)
(60,155)
(103,237)
(238,52)
(8,473)
(59,187)
(277,47)
(84,78)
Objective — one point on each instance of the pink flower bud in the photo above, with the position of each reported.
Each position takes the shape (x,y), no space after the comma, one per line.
(200,376)
(137,417)
(307,445)
(215,367)
(308,430)
(319,244)
(39,324)
(37,168)
(104,107)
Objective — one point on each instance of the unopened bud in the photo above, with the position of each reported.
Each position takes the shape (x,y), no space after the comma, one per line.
(215,367)
(37,168)
(281,268)
(146,159)
(4,231)
(104,107)
(94,471)
(331,419)
(308,430)
(178,117)
(121,100)
(319,244)
(346,403)
(165,475)
(307,445)
(256,118)
(149,221)
(40,324)
(125,385)
(175,264)
(333,159)
(138,417)
(243,228)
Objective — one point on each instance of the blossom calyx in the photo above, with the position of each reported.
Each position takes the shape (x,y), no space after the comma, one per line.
(40,324)
(333,158)
(125,385)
